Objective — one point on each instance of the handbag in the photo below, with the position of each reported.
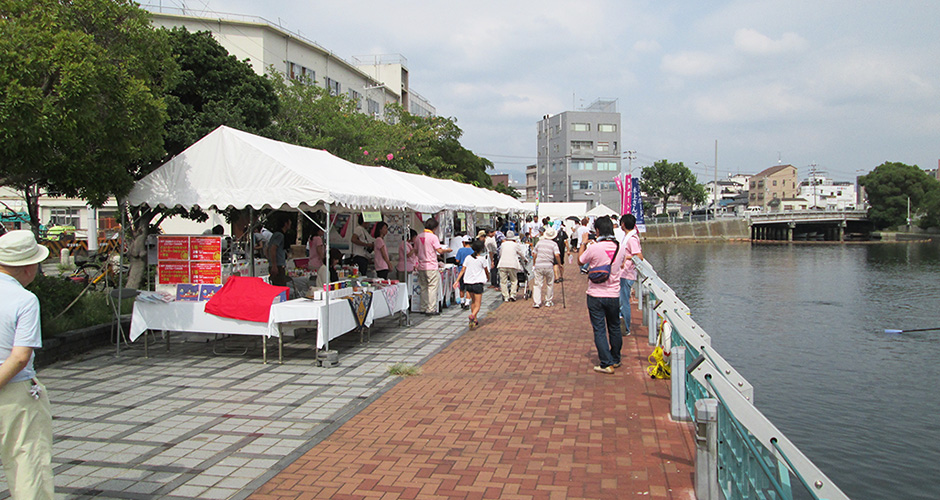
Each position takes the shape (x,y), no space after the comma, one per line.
(601,274)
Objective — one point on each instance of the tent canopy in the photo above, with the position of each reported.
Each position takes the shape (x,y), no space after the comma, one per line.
(600,211)
(231,168)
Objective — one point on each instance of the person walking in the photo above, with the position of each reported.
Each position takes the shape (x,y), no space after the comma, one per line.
(603,298)
(511,261)
(25,412)
(462,255)
(543,267)
(629,247)
(429,278)
(492,253)
(474,274)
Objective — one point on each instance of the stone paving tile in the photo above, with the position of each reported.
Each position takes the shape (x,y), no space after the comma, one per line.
(511,410)
(190,424)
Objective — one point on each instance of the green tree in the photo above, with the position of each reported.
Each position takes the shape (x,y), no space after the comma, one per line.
(931,206)
(665,180)
(213,88)
(309,116)
(889,187)
(81,105)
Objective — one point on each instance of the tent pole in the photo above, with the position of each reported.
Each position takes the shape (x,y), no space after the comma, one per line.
(251,240)
(404,237)
(326,313)
(121,208)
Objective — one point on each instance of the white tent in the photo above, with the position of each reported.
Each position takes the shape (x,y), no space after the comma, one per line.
(559,209)
(600,211)
(231,168)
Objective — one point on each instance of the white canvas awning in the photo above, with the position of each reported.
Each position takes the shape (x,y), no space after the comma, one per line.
(231,168)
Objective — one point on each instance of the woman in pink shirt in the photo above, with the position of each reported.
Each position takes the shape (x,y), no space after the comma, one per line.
(407,256)
(316,250)
(381,253)
(603,299)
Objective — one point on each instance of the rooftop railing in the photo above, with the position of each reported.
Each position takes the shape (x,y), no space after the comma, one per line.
(740,454)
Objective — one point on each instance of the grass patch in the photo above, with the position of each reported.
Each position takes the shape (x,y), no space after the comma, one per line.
(404,370)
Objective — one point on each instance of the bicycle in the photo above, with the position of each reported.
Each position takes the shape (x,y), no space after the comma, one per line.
(103,272)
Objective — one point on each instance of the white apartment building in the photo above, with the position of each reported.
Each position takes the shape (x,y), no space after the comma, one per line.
(728,190)
(371,81)
(825,194)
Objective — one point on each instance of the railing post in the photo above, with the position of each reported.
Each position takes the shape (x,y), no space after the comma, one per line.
(677,365)
(706,449)
(653,324)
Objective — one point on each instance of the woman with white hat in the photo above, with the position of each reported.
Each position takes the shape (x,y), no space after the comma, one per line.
(25,413)
(544,258)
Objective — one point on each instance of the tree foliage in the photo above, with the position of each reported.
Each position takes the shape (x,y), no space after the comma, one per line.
(890,185)
(81,106)
(309,116)
(665,180)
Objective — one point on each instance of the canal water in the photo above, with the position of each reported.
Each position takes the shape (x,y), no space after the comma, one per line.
(805,325)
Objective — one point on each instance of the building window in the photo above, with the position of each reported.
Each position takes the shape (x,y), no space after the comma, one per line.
(606,127)
(581,146)
(603,147)
(775,183)
(582,165)
(610,166)
(372,107)
(332,85)
(753,184)
(580,127)
(298,72)
(356,97)
(65,217)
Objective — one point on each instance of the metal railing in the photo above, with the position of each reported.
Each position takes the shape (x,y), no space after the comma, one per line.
(752,457)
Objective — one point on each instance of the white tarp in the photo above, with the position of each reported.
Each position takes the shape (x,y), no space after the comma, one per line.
(559,209)
(231,168)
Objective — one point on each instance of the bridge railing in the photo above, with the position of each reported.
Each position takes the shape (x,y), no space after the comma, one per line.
(750,458)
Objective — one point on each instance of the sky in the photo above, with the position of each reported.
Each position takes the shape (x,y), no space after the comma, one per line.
(844,85)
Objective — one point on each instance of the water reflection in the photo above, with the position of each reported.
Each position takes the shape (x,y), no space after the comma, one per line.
(805,324)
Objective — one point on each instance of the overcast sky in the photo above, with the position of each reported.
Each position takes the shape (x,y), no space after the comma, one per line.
(843,84)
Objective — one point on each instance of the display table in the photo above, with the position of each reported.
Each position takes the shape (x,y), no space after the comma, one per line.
(300,313)
(445,294)
(184,316)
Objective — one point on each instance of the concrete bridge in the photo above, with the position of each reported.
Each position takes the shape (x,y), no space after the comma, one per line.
(811,225)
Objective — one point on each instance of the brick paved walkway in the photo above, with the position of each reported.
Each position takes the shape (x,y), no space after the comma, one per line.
(511,410)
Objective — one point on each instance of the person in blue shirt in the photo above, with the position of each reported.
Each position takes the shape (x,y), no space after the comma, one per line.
(25,413)
(461,255)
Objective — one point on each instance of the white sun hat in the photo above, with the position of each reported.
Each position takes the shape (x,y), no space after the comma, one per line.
(19,248)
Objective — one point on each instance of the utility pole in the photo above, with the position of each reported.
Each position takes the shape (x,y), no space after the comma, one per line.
(631,155)
(715,206)
(812,170)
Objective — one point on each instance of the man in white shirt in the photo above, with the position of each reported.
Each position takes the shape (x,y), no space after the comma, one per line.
(361,246)
(511,261)
(25,412)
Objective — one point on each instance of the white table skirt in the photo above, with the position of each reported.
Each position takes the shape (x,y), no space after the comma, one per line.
(183,316)
(306,311)
(191,316)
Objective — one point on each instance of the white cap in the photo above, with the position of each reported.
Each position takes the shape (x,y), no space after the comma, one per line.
(19,248)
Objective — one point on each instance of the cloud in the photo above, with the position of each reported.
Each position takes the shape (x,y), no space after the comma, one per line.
(754,103)
(693,63)
(646,46)
(751,41)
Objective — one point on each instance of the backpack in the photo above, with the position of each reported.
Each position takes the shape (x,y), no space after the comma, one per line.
(601,274)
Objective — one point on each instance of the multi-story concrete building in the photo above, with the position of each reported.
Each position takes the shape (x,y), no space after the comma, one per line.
(530,178)
(371,81)
(825,194)
(775,183)
(579,155)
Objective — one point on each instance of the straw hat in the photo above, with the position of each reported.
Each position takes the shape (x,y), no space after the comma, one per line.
(481,234)
(550,233)
(19,248)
